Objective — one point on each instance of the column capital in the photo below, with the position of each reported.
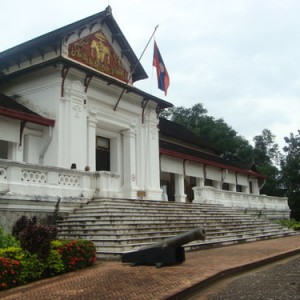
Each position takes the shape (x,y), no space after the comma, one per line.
(130,132)
(92,119)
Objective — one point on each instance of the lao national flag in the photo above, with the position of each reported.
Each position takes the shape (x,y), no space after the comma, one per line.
(162,73)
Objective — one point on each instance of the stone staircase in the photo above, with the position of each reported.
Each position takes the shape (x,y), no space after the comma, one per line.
(117,226)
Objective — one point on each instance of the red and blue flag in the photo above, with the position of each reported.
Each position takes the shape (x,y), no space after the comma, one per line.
(163,78)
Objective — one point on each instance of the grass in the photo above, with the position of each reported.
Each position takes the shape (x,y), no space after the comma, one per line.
(290,223)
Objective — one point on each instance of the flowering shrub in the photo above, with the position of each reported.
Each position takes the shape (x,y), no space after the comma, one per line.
(9,273)
(31,268)
(18,266)
(77,254)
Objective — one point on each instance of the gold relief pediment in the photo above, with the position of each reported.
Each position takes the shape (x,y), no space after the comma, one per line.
(95,51)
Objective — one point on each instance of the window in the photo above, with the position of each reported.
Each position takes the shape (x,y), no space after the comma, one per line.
(102,143)
(208,182)
(225,186)
(239,188)
(102,154)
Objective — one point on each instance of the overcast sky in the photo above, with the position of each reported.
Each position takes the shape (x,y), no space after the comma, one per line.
(239,58)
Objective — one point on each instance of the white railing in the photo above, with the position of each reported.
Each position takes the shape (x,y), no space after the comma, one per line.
(108,184)
(43,181)
(21,179)
(211,195)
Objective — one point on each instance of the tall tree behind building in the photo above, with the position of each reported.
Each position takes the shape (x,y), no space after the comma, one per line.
(290,166)
(226,140)
(233,147)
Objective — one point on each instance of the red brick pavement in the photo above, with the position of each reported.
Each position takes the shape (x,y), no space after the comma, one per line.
(114,280)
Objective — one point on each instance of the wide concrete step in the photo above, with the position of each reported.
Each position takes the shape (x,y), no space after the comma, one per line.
(157,205)
(145,234)
(116,212)
(136,217)
(151,209)
(108,251)
(160,225)
(119,225)
(145,228)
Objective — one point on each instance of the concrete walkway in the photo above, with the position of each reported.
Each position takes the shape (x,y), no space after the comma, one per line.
(114,280)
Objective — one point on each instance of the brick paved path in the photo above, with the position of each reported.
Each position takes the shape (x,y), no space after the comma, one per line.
(114,280)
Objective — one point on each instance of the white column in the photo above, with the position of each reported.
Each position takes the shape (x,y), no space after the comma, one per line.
(152,171)
(217,185)
(16,152)
(78,132)
(232,187)
(129,189)
(180,196)
(63,132)
(73,127)
(91,141)
(255,187)
(200,182)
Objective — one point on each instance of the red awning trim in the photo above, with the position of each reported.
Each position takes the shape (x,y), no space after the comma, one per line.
(7,112)
(207,162)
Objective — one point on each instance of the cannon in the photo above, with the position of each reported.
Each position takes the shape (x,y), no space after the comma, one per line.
(166,252)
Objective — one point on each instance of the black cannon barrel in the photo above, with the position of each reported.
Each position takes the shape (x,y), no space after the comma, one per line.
(167,252)
(184,238)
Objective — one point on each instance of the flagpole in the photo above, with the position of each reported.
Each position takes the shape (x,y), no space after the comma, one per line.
(131,73)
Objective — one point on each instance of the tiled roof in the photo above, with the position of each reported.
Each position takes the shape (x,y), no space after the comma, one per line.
(54,38)
(187,146)
(171,129)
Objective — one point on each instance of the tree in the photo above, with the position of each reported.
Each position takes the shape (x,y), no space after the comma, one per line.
(267,149)
(267,157)
(187,117)
(290,167)
(231,146)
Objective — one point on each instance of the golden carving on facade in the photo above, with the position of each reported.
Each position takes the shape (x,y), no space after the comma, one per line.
(95,51)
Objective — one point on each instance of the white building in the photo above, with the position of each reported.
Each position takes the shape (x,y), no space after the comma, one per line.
(73,127)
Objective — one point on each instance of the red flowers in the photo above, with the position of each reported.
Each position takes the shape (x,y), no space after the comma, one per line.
(9,272)
(72,255)
(77,254)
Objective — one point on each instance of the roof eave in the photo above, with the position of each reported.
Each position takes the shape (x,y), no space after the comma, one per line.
(207,162)
(54,38)
(22,116)
(110,80)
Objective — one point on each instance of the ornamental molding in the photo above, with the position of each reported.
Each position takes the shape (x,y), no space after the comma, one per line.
(95,51)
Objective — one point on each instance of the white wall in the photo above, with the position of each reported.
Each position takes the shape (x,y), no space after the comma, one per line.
(194,169)
(10,130)
(171,165)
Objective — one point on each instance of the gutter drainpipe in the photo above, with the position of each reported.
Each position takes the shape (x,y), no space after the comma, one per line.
(262,184)
(46,145)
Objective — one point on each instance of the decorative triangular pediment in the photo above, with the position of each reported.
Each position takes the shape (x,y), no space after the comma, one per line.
(96,42)
(95,51)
